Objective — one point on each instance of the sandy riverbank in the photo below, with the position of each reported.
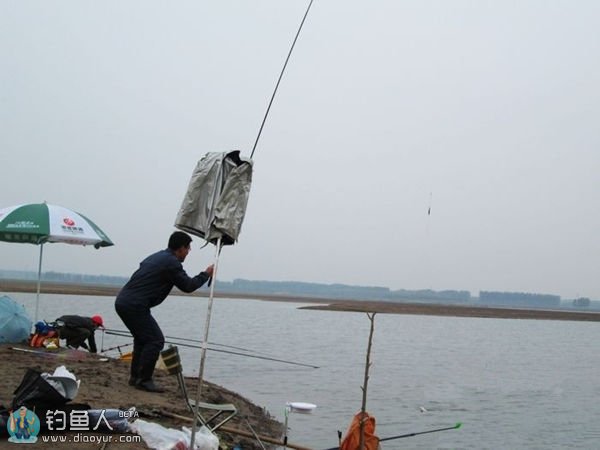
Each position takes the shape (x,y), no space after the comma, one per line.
(104,386)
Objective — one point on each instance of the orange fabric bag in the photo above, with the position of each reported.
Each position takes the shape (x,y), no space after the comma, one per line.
(37,339)
(352,439)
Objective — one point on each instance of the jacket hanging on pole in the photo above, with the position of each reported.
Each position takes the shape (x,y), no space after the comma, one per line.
(215,202)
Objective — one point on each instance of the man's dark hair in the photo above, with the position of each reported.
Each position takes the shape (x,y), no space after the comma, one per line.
(179,239)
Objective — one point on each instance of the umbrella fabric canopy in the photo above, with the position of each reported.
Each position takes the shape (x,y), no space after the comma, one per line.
(38,223)
(215,203)
(15,324)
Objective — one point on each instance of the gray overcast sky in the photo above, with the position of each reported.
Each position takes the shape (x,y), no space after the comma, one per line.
(487,111)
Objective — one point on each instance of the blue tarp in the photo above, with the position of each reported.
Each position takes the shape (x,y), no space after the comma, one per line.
(15,323)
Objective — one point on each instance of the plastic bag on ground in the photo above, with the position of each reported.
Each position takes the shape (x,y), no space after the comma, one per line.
(158,437)
(70,383)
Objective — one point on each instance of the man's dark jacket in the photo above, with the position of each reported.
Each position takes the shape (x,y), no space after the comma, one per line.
(152,282)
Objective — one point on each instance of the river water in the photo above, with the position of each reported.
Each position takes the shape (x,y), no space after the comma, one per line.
(513,384)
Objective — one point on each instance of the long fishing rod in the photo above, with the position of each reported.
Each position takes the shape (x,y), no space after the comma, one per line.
(267,358)
(280,77)
(458,425)
(126,333)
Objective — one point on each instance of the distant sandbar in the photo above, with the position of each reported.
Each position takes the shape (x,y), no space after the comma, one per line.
(327,304)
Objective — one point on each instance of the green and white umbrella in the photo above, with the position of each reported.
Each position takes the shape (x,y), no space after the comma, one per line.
(40,223)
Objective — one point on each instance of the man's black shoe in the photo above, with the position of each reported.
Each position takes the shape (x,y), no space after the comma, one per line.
(148,385)
(132,381)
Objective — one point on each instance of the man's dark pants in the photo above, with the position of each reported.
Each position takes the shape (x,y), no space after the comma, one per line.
(148,341)
(75,336)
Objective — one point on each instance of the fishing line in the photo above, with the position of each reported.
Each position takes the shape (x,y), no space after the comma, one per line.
(280,77)
(428,244)
(430,201)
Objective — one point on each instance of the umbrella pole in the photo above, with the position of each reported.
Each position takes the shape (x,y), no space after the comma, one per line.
(39,281)
(204,343)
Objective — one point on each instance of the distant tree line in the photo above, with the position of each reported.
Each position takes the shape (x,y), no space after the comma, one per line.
(343,291)
(84,279)
(304,288)
(582,302)
(64,277)
(446,296)
(518,299)
(335,291)
(294,288)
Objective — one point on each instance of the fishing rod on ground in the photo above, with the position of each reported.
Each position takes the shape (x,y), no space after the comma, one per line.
(391,438)
(267,358)
(116,347)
